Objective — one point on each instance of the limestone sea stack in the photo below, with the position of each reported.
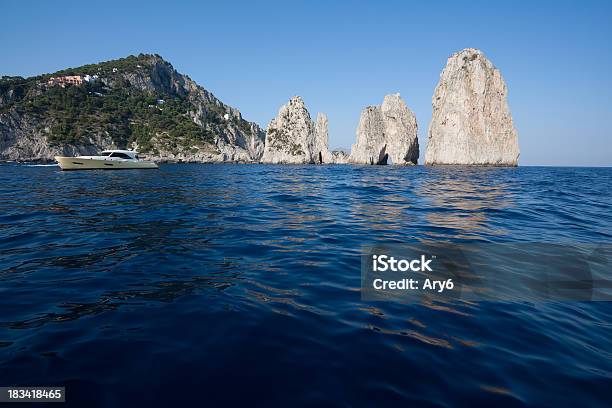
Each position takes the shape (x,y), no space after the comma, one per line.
(471,122)
(320,148)
(387,134)
(293,138)
(340,157)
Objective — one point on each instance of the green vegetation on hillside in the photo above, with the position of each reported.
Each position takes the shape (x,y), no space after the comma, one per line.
(128,64)
(111,105)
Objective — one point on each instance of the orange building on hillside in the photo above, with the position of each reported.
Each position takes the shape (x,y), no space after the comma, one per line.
(64,80)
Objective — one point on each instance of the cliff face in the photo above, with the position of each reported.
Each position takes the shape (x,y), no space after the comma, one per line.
(24,138)
(136,102)
(386,134)
(292,137)
(471,122)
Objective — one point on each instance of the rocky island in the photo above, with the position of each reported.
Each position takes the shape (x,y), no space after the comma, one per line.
(387,134)
(471,122)
(139,102)
(293,138)
(142,103)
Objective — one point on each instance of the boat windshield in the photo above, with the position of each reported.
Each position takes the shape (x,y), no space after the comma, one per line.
(105,154)
(120,155)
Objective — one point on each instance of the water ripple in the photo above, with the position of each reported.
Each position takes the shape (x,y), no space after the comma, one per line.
(211,276)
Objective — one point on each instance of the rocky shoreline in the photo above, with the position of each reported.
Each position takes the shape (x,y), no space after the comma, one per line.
(471,123)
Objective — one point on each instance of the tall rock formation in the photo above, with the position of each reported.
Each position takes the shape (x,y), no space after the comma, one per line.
(293,138)
(471,122)
(320,149)
(386,134)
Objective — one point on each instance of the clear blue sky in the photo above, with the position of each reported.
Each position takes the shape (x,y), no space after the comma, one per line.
(556,57)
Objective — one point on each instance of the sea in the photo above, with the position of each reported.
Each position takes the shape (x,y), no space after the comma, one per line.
(239,285)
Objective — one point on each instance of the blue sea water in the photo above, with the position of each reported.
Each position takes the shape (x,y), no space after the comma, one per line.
(206,285)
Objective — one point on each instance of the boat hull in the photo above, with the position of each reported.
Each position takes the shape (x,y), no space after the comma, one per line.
(79,163)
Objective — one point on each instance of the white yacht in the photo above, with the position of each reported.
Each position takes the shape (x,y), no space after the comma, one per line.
(107,160)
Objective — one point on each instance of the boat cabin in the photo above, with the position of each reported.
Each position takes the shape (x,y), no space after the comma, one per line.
(121,154)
